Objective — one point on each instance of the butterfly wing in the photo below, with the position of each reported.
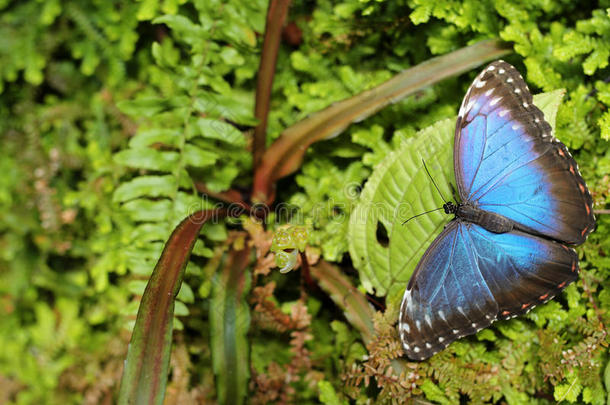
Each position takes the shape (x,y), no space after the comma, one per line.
(508,162)
(469,277)
(521,270)
(446,298)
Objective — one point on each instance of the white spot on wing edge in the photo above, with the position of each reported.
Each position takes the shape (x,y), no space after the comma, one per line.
(406,301)
(495,101)
(470,104)
(428,320)
(461,310)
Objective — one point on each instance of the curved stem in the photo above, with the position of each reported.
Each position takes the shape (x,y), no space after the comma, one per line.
(285,155)
(276,16)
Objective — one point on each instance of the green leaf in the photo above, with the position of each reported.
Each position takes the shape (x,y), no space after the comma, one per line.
(145,373)
(421,14)
(327,395)
(148,9)
(235,106)
(397,189)
(604,125)
(568,392)
(149,232)
(215,129)
(147,137)
(594,395)
(514,396)
(148,158)
(186,294)
(142,209)
(552,312)
(165,54)
(549,104)
(185,29)
(142,107)
(136,286)
(358,312)
(487,334)
(180,309)
(607,379)
(383,250)
(238,32)
(231,56)
(201,250)
(434,393)
(197,157)
(145,186)
(229,324)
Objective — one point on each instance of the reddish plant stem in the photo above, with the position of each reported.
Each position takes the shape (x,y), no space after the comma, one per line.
(286,154)
(276,16)
(306,274)
(229,196)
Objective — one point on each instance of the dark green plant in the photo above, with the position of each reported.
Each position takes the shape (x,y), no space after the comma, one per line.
(121,119)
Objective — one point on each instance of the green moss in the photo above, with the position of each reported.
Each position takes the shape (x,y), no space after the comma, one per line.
(113,113)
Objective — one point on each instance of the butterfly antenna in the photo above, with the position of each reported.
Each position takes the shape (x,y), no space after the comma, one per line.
(423,213)
(433,182)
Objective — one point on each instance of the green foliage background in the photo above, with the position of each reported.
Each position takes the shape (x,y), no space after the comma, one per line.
(90,89)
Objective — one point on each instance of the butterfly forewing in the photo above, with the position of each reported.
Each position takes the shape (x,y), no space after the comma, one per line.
(507,161)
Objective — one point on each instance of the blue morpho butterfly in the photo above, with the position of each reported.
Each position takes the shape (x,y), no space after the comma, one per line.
(523,204)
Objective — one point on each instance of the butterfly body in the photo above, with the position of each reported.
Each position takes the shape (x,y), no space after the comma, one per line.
(489,220)
(523,206)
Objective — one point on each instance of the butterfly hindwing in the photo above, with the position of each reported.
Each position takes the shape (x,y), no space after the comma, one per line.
(470,277)
(508,162)
(446,298)
(521,270)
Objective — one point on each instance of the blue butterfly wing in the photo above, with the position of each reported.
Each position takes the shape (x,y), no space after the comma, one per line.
(470,277)
(446,298)
(521,270)
(507,161)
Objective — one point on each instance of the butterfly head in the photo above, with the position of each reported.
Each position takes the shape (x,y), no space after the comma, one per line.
(450,208)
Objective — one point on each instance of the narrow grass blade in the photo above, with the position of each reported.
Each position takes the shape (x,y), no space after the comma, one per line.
(229,323)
